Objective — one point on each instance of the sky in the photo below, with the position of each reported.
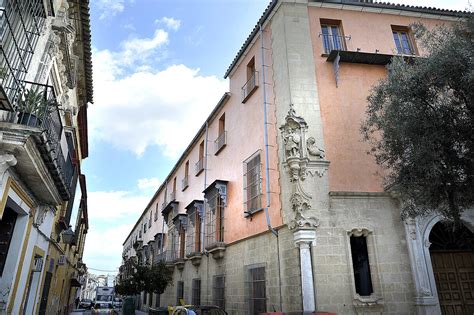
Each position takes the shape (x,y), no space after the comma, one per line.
(158,72)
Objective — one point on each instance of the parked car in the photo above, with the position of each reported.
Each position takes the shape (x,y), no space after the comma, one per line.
(86,303)
(199,310)
(103,308)
(117,302)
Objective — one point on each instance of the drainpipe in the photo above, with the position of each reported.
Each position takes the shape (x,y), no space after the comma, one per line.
(267,163)
(265,123)
(203,221)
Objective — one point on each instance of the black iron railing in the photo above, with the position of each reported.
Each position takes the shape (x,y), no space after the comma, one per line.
(21,22)
(250,86)
(199,166)
(333,42)
(37,107)
(220,142)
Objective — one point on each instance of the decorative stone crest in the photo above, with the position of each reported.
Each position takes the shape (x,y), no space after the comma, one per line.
(40,215)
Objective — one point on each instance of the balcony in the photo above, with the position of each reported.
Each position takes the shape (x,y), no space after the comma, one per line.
(250,86)
(199,166)
(220,142)
(33,130)
(333,42)
(172,196)
(184,183)
(20,26)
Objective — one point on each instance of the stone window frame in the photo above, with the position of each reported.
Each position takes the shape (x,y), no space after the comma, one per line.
(375,300)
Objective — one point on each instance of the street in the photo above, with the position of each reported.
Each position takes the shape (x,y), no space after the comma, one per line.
(89,312)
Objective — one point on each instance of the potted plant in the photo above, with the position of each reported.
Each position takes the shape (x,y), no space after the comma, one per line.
(33,106)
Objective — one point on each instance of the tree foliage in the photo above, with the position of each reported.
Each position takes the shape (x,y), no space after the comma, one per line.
(151,279)
(420,123)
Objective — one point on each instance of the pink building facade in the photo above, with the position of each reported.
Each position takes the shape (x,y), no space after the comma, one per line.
(275,204)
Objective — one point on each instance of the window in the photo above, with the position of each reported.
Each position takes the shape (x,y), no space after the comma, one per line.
(21,23)
(252,184)
(185,183)
(156,212)
(221,137)
(403,42)
(157,300)
(179,292)
(251,85)
(196,293)
(218,290)
(256,288)
(332,36)
(193,241)
(200,162)
(149,221)
(7,225)
(182,235)
(144,227)
(215,219)
(360,263)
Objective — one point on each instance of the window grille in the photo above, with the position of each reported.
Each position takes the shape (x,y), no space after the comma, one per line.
(360,263)
(256,288)
(171,253)
(21,22)
(214,219)
(218,290)
(196,292)
(179,292)
(193,232)
(252,184)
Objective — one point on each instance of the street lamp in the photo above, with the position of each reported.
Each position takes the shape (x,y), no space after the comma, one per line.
(68,236)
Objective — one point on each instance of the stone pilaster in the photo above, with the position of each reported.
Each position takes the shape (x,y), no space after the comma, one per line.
(305,239)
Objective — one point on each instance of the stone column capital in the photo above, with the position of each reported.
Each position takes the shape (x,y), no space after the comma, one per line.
(303,238)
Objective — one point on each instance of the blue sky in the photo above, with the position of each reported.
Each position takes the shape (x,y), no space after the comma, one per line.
(158,72)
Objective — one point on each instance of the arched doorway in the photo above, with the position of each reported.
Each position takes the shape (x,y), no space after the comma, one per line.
(452,256)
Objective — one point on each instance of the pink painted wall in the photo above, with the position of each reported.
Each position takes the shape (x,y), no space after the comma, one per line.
(343,108)
(244,126)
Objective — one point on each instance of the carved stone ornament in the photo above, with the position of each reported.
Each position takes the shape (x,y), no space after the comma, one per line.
(41,215)
(300,205)
(293,133)
(313,149)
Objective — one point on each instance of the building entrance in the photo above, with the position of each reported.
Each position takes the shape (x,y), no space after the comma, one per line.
(452,256)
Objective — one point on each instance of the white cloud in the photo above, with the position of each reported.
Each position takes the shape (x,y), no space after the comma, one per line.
(137,106)
(113,205)
(103,247)
(148,183)
(110,8)
(170,23)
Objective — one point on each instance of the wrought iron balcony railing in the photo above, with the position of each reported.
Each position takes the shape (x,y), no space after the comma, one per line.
(333,42)
(185,182)
(199,166)
(21,23)
(37,108)
(250,86)
(220,142)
